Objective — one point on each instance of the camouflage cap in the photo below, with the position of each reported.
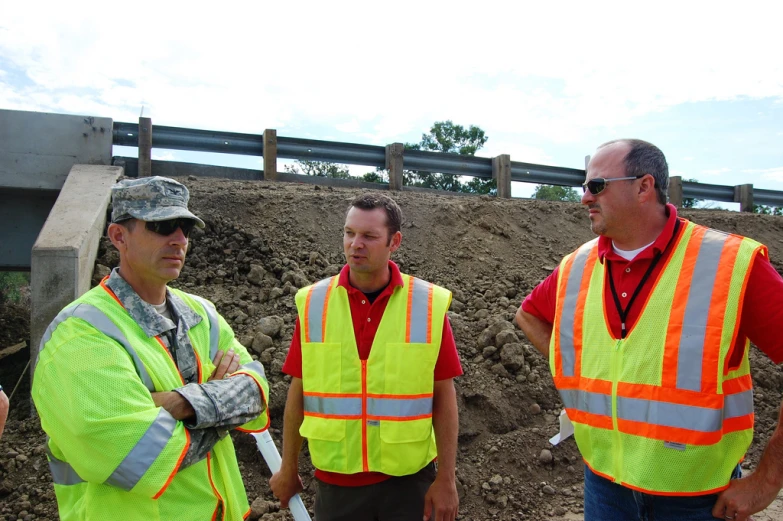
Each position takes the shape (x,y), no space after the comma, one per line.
(151,199)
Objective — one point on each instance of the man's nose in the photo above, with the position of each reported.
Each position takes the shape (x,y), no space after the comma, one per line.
(178,237)
(587,197)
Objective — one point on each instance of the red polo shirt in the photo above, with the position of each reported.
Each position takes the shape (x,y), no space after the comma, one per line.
(366,317)
(762,310)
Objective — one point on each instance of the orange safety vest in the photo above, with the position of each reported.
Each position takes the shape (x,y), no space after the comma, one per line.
(659,411)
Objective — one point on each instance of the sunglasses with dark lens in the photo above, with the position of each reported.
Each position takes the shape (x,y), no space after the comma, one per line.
(166,228)
(598,184)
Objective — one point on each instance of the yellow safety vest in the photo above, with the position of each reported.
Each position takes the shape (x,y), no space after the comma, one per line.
(371,415)
(112,454)
(660,411)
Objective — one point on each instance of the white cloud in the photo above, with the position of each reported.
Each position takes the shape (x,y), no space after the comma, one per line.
(715,172)
(773,174)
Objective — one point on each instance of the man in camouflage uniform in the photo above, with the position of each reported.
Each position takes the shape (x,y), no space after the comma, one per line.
(138,384)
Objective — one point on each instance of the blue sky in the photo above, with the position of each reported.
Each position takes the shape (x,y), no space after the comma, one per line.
(548,83)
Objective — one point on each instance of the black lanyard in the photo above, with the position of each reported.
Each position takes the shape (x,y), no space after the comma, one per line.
(624,312)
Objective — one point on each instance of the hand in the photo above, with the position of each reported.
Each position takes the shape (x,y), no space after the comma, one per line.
(175,404)
(284,485)
(745,497)
(442,501)
(225,364)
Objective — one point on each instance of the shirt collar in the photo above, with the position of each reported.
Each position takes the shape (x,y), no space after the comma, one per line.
(394,282)
(605,249)
(150,321)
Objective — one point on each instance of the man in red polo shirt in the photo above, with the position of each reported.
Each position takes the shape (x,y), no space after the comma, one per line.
(415,362)
(645,254)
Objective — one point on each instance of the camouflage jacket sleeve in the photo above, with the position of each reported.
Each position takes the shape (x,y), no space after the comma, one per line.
(238,401)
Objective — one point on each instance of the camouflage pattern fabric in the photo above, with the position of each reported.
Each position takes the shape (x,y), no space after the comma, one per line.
(151,199)
(220,405)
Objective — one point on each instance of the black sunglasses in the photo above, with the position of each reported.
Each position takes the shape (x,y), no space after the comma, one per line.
(598,184)
(170,226)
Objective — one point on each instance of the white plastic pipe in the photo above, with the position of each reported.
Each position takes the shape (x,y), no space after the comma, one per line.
(273,460)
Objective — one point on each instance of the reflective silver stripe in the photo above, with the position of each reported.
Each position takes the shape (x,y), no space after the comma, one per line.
(315,312)
(399,407)
(144,453)
(595,403)
(740,404)
(669,414)
(419,313)
(254,366)
(214,326)
(333,406)
(567,317)
(62,472)
(697,311)
(98,319)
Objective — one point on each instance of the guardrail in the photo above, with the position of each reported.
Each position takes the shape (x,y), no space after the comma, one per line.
(396,159)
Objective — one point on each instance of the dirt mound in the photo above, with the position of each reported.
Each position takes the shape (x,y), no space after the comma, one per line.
(265,240)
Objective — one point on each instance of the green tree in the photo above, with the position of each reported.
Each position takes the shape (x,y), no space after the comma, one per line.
(767,210)
(445,136)
(556,193)
(379,176)
(319,169)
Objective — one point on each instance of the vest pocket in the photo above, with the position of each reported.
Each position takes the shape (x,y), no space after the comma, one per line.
(410,368)
(325,439)
(321,366)
(406,431)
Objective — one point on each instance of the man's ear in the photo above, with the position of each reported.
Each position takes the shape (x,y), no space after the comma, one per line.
(396,239)
(647,189)
(118,235)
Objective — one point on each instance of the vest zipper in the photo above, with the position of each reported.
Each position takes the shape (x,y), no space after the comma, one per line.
(365,465)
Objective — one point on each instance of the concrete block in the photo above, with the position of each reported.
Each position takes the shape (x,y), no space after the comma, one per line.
(37,149)
(65,251)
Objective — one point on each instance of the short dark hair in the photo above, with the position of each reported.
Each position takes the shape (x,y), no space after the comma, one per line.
(646,158)
(129,224)
(392,209)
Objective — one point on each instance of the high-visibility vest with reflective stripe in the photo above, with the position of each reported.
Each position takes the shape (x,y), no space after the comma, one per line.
(660,411)
(135,450)
(375,414)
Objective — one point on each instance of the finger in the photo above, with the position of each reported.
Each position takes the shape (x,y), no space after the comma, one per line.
(218,358)
(719,510)
(224,363)
(427,508)
(234,365)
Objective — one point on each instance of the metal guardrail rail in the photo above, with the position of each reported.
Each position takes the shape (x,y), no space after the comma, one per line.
(176,138)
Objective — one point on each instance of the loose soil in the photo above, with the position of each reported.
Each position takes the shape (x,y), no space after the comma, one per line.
(264,240)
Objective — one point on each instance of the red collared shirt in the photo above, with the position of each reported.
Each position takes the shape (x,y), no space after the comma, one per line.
(762,310)
(366,317)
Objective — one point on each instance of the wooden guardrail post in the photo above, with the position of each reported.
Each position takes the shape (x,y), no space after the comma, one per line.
(270,154)
(675,191)
(743,194)
(394,160)
(501,173)
(145,147)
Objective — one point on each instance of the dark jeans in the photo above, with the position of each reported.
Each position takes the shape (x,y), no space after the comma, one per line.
(396,499)
(605,501)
